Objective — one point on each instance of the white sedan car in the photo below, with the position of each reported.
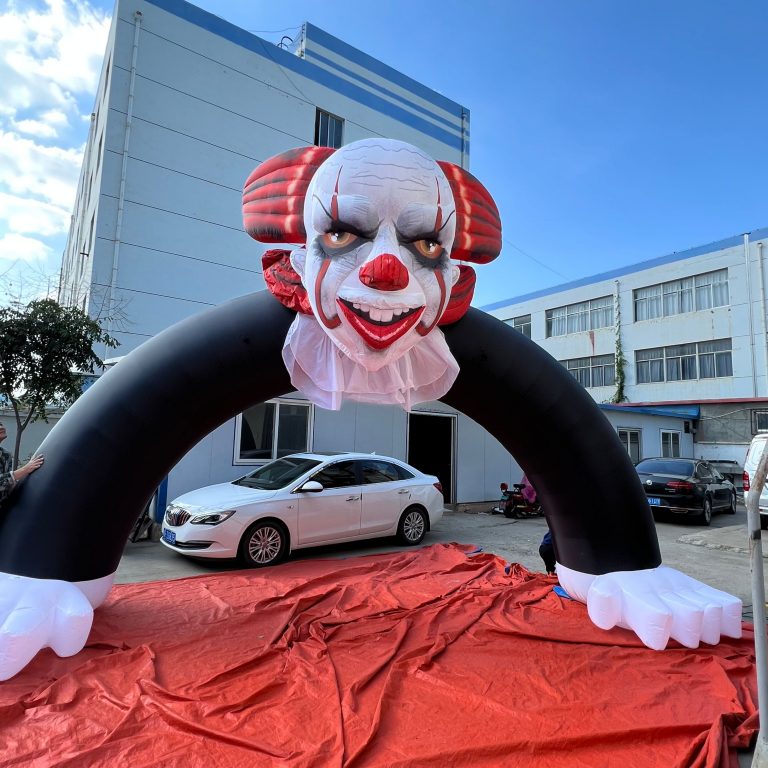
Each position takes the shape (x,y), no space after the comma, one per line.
(304,500)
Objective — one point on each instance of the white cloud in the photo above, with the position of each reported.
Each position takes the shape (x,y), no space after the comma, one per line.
(47,127)
(28,249)
(29,168)
(50,55)
(23,215)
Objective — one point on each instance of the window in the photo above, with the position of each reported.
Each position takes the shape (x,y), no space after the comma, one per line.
(650,365)
(597,371)
(556,322)
(328,129)
(98,152)
(670,444)
(759,421)
(584,316)
(522,324)
(106,76)
(715,359)
(679,296)
(271,430)
(382,472)
(684,362)
(339,475)
(681,362)
(630,439)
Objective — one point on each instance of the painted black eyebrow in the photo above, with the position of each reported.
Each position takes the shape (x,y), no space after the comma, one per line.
(337,225)
(430,235)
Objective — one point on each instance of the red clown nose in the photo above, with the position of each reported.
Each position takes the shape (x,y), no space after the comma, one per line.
(385,273)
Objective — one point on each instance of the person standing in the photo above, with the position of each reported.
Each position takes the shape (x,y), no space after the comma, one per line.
(547,553)
(10,476)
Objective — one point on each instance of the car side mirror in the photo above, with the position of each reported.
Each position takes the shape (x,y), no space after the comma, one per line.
(311,486)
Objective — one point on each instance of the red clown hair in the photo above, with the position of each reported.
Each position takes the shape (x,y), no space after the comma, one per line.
(273,212)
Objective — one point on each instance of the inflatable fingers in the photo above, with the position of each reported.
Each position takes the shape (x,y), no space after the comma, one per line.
(656,604)
(40,613)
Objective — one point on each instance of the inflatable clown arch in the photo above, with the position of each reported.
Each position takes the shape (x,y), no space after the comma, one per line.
(373,304)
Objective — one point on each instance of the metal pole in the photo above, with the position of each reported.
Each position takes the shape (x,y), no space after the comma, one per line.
(760,758)
(750,312)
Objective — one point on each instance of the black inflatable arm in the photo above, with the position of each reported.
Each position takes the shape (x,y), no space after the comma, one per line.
(594,503)
(70,519)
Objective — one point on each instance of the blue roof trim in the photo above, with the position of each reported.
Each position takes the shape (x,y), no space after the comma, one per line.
(719,245)
(320,75)
(384,70)
(310,55)
(677,411)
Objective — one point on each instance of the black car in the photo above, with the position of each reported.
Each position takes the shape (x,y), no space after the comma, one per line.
(686,487)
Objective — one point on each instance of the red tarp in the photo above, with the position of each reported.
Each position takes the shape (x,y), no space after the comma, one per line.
(418,658)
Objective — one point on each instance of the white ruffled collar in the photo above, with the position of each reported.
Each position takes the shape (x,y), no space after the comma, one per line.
(326,375)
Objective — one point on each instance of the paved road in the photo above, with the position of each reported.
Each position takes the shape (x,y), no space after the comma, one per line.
(716,555)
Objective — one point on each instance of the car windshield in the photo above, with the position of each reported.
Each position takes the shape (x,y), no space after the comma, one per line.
(665,467)
(277,474)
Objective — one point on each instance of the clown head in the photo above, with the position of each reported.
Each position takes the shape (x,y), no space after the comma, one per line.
(380,222)
(383,225)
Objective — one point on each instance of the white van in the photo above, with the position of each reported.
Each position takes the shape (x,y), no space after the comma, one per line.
(754,455)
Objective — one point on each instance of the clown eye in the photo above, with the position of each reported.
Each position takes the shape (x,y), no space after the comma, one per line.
(428,248)
(338,239)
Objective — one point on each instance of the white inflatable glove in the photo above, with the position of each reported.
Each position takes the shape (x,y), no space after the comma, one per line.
(42,613)
(656,604)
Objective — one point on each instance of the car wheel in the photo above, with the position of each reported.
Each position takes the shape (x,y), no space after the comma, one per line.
(705,518)
(413,526)
(265,543)
(732,505)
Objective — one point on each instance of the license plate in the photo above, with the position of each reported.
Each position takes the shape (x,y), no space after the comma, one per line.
(654,502)
(169,536)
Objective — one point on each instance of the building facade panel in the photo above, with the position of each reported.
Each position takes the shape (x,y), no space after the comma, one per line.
(693,327)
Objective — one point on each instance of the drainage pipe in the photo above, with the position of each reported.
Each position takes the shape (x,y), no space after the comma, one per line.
(750,313)
(123,171)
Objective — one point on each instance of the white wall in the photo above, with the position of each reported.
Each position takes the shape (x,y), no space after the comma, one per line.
(732,321)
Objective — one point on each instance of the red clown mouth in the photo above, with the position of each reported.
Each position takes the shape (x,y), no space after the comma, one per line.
(379,334)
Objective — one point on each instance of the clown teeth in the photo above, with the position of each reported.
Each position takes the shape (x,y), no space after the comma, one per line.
(376,314)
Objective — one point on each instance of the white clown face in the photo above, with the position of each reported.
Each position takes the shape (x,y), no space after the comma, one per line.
(380,221)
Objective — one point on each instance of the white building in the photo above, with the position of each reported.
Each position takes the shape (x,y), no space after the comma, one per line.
(693,333)
(187,106)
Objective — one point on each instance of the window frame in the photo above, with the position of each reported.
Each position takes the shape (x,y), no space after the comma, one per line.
(687,362)
(756,414)
(586,367)
(671,433)
(695,286)
(523,327)
(319,114)
(571,317)
(277,402)
(629,431)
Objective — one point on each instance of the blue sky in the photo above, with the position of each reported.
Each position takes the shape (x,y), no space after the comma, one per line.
(608,132)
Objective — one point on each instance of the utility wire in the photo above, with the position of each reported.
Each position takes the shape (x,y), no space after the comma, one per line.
(533,258)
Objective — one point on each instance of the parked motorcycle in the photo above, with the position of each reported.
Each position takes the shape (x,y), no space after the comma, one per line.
(519,501)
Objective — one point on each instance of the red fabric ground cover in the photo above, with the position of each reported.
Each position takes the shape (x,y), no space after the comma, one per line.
(419,658)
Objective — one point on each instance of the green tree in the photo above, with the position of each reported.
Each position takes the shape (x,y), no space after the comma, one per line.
(45,349)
